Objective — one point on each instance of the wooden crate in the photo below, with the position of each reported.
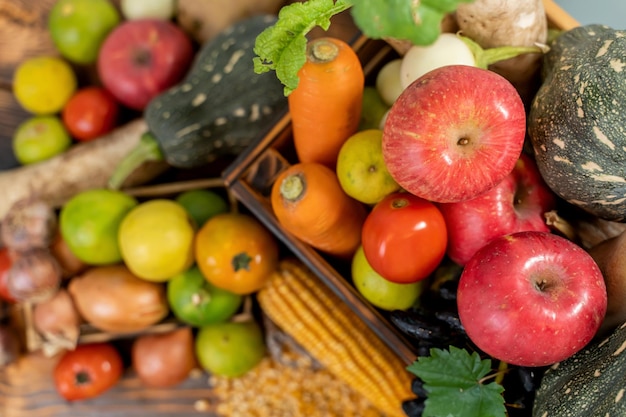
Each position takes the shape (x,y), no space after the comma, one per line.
(275,149)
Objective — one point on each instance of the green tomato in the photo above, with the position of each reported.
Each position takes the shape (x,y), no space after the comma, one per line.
(197,302)
(202,205)
(40,138)
(90,221)
(380,292)
(230,349)
(78,27)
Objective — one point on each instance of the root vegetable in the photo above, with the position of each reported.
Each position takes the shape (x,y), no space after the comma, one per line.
(113,299)
(85,166)
(58,322)
(35,276)
(493,23)
(164,360)
(29,223)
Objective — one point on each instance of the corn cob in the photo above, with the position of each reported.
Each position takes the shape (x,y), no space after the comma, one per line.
(334,335)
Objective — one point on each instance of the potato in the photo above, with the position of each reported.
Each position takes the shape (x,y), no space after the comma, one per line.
(112,299)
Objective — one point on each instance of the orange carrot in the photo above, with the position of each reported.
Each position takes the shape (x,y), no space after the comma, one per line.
(308,202)
(325,107)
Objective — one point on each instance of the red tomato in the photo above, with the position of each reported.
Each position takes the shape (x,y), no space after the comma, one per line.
(90,112)
(88,371)
(404,238)
(5,265)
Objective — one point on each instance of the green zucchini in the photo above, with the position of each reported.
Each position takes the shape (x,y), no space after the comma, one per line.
(577,120)
(218,110)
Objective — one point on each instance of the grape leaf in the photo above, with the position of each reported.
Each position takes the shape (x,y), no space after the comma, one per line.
(452,379)
(282,46)
(416,21)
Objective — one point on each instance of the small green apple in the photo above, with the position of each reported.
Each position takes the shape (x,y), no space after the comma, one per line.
(361,168)
(380,292)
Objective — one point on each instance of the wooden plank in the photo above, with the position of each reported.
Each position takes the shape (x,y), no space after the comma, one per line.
(557,17)
(27,390)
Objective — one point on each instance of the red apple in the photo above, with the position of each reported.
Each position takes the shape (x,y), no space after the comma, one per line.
(454,133)
(141,58)
(516,204)
(531,298)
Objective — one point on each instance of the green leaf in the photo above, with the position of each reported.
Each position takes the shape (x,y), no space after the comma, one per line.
(452,379)
(416,21)
(282,46)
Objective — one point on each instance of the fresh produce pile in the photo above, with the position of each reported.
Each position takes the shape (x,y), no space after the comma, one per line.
(469,186)
(123,266)
(472,186)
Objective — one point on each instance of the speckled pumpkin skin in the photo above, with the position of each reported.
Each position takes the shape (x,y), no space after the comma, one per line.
(222,105)
(577,120)
(592,383)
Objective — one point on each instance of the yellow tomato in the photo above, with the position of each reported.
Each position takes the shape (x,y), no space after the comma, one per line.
(42,85)
(235,252)
(156,240)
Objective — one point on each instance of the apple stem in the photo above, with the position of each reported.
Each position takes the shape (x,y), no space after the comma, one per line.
(489,56)
(146,150)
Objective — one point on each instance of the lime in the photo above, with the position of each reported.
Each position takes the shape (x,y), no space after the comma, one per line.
(231,348)
(78,27)
(40,138)
(197,302)
(202,205)
(90,222)
(43,84)
(156,240)
(380,292)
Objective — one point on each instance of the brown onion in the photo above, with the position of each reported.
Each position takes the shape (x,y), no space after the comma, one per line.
(113,299)
(29,223)
(166,359)
(35,275)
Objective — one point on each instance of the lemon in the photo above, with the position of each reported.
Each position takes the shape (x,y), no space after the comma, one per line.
(156,240)
(42,85)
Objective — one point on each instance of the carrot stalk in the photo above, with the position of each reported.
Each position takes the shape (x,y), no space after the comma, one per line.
(308,202)
(326,105)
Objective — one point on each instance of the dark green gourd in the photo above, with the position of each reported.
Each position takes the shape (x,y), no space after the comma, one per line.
(592,383)
(219,108)
(577,120)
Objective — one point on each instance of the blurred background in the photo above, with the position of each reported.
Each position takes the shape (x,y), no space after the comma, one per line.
(607,12)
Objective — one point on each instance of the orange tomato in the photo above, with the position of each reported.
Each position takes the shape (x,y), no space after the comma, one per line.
(235,252)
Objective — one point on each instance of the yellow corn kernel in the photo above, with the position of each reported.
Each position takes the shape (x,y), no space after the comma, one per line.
(334,335)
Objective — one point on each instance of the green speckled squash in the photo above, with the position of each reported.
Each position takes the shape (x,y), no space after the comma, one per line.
(222,105)
(577,120)
(592,383)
